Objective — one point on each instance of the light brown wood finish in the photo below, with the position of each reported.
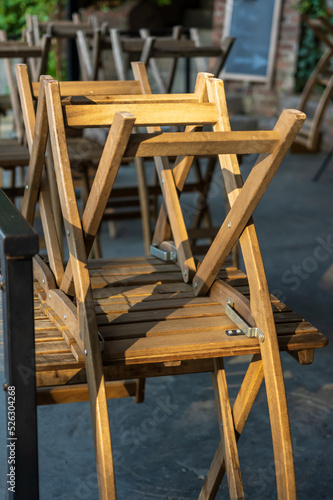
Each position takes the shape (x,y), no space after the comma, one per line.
(260,302)
(36,181)
(171,204)
(103,182)
(228,437)
(249,196)
(79,392)
(37,158)
(93,89)
(182,165)
(88,327)
(200,144)
(146,59)
(151,321)
(82,116)
(14,152)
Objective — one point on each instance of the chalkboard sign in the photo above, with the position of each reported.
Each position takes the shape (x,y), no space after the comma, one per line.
(254,24)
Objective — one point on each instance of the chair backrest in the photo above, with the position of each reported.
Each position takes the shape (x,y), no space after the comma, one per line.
(59,29)
(151,48)
(72,92)
(208,108)
(120,143)
(9,51)
(322,76)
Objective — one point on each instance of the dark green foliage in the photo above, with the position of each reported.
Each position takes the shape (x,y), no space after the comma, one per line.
(13,12)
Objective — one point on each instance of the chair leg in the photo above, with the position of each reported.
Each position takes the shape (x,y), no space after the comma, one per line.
(241,409)
(144,204)
(140,390)
(323,166)
(99,410)
(228,436)
(279,418)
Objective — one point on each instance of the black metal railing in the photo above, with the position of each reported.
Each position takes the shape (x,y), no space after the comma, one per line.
(18,244)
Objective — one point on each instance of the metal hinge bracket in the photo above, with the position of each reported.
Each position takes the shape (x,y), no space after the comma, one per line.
(162,254)
(243,327)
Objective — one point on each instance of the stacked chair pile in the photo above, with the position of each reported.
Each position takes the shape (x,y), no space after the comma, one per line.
(116,322)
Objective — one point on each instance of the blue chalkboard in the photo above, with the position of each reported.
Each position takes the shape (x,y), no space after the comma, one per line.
(254,25)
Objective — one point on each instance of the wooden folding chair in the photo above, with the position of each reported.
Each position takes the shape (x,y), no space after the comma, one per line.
(85,153)
(170,314)
(13,152)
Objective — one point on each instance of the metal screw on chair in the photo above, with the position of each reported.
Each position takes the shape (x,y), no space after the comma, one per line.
(261,336)
(229,224)
(185,272)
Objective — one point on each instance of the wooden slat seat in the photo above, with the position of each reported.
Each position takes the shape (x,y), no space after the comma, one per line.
(56,350)
(85,151)
(139,303)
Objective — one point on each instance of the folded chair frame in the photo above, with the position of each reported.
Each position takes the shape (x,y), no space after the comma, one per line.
(53,116)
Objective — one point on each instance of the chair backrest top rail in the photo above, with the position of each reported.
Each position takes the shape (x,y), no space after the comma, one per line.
(201,143)
(129,99)
(154,114)
(93,88)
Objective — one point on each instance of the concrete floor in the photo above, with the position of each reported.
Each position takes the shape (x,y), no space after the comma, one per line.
(169,457)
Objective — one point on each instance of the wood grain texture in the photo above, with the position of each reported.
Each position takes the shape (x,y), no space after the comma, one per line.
(86,319)
(102,115)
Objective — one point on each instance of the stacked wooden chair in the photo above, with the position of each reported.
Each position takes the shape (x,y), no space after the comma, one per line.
(85,152)
(150,49)
(14,153)
(115,319)
(142,200)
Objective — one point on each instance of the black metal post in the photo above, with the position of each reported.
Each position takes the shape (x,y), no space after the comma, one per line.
(73,67)
(18,243)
